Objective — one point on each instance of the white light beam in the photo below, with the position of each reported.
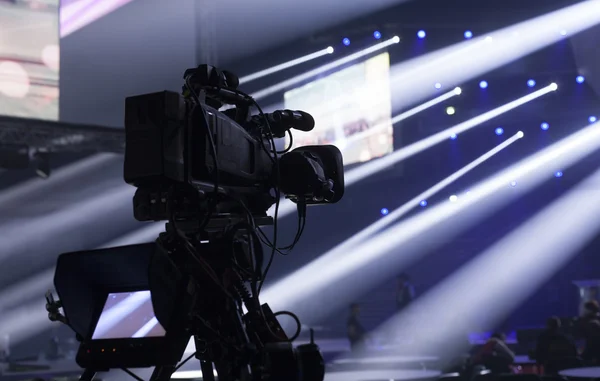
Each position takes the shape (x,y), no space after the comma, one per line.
(285,65)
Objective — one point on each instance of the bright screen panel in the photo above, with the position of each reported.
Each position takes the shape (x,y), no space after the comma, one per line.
(352,110)
(128,315)
(29,58)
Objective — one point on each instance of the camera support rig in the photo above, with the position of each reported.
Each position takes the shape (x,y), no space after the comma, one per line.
(212,176)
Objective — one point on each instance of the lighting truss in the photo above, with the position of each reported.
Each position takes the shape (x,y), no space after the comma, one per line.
(61,137)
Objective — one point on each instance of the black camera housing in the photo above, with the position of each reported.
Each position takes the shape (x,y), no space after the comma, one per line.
(167,145)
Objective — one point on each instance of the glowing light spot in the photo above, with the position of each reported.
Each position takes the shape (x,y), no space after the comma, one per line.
(51,57)
(14,80)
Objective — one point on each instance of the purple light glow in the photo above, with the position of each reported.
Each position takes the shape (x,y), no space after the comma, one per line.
(76,14)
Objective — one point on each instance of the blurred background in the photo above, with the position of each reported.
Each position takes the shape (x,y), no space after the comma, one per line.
(411,91)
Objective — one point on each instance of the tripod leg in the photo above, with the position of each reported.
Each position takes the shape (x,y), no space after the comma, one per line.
(162,373)
(88,375)
(207,371)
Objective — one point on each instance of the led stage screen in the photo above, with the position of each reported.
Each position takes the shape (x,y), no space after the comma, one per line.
(352,109)
(29,58)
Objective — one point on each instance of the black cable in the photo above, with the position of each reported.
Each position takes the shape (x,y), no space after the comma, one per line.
(262,236)
(301,224)
(277,195)
(291,144)
(138,378)
(296,319)
(255,247)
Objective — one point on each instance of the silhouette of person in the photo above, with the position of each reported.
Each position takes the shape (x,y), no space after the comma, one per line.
(405,293)
(356,332)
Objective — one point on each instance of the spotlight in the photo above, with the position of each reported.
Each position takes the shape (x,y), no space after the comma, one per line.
(499,131)
(457,91)
(384,211)
(377,35)
(558,174)
(346,41)
(520,134)
(531,83)
(453,136)
(592,119)
(468,34)
(395,39)
(329,49)
(453,198)
(513,184)
(563,32)
(544,126)
(580,79)
(438,85)
(421,34)
(553,86)
(423,203)
(483,84)
(450,110)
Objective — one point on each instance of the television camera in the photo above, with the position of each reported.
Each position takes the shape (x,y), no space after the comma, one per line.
(213,177)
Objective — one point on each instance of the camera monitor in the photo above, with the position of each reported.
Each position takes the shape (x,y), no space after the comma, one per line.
(107,300)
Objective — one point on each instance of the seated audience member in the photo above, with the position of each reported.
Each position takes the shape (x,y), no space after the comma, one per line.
(591,353)
(555,351)
(495,355)
(356,332)
(591,311)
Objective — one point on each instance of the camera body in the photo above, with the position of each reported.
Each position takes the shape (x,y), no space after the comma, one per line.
(168,147)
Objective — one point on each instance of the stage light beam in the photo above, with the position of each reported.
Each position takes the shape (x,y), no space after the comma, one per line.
(324,69)
(346,142)
(286,65)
